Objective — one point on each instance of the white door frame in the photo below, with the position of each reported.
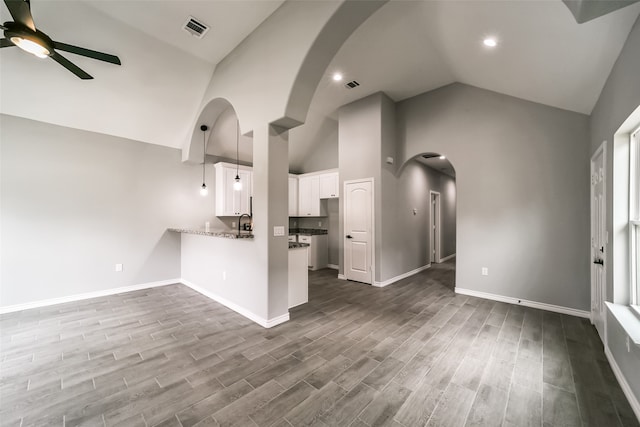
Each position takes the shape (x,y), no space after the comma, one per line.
(435,227)
(595,294)
(373,228)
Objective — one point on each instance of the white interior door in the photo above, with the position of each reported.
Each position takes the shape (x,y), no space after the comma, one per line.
(598,240)
(358,228)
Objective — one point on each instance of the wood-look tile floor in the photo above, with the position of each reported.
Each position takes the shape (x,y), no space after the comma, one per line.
(410,354)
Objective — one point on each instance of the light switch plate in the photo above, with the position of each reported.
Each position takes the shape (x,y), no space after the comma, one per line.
(278,230)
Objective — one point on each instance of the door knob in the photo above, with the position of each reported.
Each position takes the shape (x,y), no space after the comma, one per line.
(599,261)
(349,236)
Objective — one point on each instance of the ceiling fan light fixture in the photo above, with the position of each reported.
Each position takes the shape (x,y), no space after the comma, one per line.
(30,45)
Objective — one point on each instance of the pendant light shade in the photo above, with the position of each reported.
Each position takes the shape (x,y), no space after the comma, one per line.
(204,190)
(237,185)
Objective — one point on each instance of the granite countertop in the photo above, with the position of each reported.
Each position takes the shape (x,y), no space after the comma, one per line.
(296,245)
(226,234)
(308,231)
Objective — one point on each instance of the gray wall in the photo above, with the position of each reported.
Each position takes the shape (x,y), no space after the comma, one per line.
(619,98)
(75,203)
(314,146)
(522,174)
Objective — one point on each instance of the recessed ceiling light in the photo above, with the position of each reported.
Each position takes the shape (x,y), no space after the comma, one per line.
(337,77)
(490,42)
(442,157)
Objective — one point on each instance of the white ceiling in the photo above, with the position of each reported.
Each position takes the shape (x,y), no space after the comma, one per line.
(404,49)
(155,95)
(229,21)
(410,47)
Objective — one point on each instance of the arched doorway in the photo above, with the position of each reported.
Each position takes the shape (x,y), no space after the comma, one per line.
(440,193)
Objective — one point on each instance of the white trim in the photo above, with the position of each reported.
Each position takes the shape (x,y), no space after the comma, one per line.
(342,277)
(400,277)
(333,266)
(526,303)
(266,323)
(626,317)
(602,149)
(624,385)
(88,295)
(437,223)
(447,258)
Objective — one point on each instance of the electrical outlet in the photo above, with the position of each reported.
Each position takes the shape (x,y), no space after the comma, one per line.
(118,267)
(233,225)
(319,223)
(485,271)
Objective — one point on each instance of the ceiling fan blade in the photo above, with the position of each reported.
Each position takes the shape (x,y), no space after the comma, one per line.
(5,43)
(100,56)
(21,12)
(70,66)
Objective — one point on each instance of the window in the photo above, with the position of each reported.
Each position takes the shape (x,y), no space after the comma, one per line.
(634,216)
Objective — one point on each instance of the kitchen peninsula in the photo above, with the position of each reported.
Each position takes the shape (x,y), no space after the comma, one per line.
(217,263)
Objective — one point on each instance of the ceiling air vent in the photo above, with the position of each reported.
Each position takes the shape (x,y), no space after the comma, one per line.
(351,84)
(195,27)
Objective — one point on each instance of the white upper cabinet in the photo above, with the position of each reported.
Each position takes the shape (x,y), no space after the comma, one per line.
(230,202)
(293,196)
(312,187)
(309,196)
(329,188)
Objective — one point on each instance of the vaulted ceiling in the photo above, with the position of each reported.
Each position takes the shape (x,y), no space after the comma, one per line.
(404,49)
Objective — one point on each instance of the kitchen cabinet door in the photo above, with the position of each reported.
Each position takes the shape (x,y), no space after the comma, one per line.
(329,188)
(309,196)
(318,251)
(230,202)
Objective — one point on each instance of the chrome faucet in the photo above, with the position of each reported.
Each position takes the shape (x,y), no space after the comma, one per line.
(240,220)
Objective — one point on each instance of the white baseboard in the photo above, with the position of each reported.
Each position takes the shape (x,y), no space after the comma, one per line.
(624,385)
(342,277)
(447,258)
(88,295)
(333,266)
(526,303)
(400,277)
(266,323)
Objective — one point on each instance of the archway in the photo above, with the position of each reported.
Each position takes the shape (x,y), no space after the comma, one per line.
(431,178)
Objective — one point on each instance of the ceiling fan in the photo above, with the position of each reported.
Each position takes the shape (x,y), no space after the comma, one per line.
(23,33)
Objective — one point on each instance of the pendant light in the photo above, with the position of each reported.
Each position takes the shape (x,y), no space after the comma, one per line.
(237,185)
(204,190)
